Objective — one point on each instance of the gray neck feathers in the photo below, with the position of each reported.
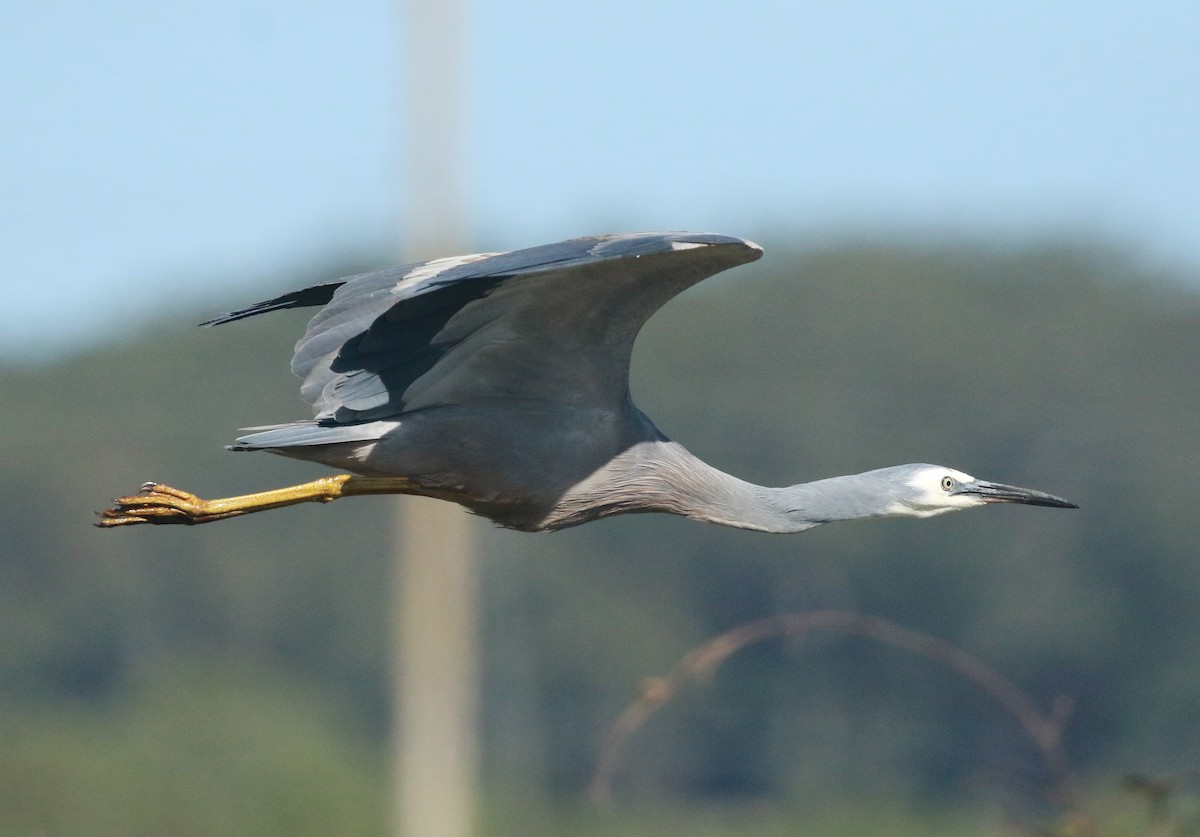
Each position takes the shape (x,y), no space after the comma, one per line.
(662,476)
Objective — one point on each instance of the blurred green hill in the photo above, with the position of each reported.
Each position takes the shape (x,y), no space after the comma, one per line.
(220,666)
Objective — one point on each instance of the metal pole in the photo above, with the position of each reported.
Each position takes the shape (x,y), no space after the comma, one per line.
(435,627)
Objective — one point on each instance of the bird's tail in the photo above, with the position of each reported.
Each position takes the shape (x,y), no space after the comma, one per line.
(300,434)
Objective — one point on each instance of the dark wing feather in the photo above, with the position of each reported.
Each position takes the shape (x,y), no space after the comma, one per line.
(553,323)
(306,298)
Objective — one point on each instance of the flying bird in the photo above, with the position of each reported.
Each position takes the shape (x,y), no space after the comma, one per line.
(500,381)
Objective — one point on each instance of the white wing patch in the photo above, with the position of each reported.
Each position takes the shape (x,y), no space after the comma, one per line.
(434,268)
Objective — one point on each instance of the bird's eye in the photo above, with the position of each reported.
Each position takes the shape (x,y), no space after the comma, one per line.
(948,483)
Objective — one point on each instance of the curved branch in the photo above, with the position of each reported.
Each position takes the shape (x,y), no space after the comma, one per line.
(1043,728)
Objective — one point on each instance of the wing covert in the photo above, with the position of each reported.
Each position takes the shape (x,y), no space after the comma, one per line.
(553,323)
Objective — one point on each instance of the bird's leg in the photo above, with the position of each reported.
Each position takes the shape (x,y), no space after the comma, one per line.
(157,503)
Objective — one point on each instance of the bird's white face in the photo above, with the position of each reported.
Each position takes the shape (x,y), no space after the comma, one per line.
(935,489)
(926,490)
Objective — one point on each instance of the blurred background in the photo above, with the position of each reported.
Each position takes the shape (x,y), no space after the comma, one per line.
(980,231)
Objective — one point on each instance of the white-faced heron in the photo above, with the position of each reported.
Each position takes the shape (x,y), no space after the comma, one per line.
(500,381)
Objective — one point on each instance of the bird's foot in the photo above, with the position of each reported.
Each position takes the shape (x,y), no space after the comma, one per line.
(157,503)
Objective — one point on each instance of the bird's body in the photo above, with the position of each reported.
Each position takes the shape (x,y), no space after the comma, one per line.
(505,461)
(501,382)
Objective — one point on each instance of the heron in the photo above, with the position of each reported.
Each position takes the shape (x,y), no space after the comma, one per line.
(500,381)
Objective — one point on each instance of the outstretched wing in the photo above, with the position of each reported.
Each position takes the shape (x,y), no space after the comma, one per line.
(553,323)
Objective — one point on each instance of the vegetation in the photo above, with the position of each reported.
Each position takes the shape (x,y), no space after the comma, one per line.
(232,678)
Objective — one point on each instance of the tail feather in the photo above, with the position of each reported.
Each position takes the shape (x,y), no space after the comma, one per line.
(310,433)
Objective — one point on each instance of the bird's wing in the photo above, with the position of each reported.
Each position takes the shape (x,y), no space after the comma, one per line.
(553,323)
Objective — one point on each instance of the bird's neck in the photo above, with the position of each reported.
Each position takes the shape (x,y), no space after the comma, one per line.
(663,476)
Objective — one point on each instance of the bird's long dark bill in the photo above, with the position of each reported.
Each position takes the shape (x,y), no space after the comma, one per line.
(994,492)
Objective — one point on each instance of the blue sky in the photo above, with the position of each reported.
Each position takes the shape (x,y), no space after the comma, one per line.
(154,155)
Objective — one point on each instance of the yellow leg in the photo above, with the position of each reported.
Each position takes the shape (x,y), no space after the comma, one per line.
(156,503)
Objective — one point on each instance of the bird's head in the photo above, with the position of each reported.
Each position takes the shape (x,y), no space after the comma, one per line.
(925,490)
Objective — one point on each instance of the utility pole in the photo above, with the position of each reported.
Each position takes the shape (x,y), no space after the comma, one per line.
(435,671)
